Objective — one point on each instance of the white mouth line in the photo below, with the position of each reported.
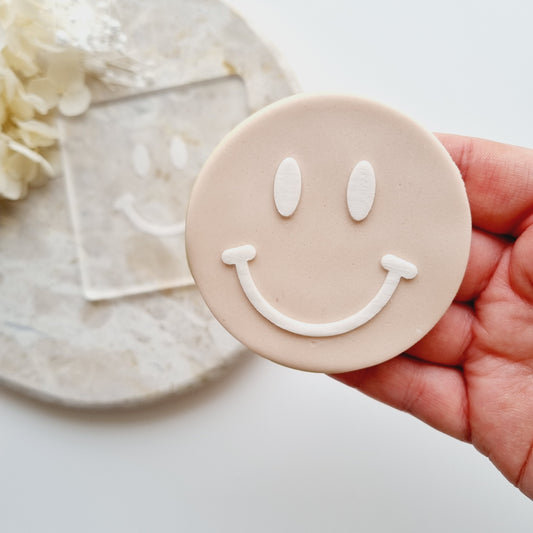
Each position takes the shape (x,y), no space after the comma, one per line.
(125,204)
(397,269)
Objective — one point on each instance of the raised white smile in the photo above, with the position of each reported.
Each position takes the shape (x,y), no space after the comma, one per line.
(396,270)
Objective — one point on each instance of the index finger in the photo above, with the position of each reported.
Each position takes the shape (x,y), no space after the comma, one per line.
(499,182)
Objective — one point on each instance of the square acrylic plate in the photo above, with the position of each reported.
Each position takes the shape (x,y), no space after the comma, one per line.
(130,164)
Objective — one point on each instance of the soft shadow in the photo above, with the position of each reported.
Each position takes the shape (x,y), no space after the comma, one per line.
(172,404)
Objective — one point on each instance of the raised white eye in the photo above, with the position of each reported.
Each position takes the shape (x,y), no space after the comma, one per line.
(178,153)
(140,158)
(361,190)
(287,187)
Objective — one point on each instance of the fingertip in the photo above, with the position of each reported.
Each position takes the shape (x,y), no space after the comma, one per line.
(497,178)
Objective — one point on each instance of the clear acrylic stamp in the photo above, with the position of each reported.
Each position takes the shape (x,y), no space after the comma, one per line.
(129,165)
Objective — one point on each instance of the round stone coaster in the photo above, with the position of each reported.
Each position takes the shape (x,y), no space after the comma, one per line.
(97,306)
(328,233)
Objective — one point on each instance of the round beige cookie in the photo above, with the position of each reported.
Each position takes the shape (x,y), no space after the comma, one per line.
(328,233)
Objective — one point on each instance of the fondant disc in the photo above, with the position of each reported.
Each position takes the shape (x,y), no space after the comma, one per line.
(328,232)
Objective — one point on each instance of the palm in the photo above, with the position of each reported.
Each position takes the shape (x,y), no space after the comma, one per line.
(472,375)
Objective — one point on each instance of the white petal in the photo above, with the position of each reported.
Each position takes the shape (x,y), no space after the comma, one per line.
(2,38)
(12,189)
(36,134)
(11,83)
(38,127)
(31,154)
(52,154)
(21,168)
(75,101)
(32,140)
(37,103)
(44,89)
(21,109)
(20,61)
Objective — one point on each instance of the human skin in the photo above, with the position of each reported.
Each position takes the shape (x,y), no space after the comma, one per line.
(471,376)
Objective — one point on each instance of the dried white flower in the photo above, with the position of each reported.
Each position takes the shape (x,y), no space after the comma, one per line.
(35,75)
(44,51)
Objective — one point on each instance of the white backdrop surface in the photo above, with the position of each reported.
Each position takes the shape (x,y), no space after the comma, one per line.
(267,449)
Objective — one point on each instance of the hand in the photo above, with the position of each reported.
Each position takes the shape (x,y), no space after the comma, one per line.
(472,375)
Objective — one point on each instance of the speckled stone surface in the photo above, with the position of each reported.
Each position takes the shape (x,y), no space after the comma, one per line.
(54,343)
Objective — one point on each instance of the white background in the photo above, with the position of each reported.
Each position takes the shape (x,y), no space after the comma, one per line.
(267,449)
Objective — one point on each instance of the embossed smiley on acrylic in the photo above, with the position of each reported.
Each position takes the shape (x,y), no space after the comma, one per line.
(125,203)
(328,233)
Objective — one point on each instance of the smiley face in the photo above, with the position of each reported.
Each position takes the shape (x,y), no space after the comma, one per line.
(360,197)
(328,233)
(125,203)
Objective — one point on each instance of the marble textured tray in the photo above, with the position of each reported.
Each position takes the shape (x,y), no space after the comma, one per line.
(133,341)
